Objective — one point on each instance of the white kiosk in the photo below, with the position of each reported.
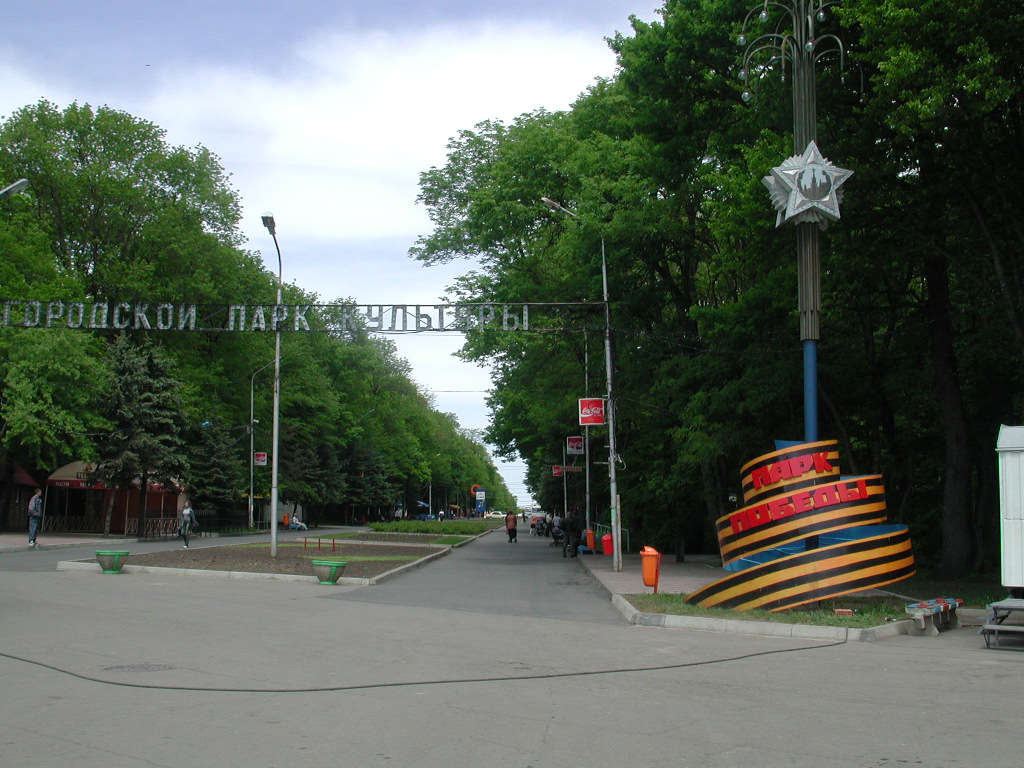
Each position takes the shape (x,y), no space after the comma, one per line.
(1010,448)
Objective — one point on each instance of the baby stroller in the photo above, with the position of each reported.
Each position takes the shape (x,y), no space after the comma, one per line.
(557,537)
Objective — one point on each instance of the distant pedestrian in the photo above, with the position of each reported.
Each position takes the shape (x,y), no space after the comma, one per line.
(35,516)
(186,520)
(510,527)
(572,535)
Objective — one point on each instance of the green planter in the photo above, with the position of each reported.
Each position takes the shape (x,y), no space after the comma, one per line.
(328,571)
(111,560)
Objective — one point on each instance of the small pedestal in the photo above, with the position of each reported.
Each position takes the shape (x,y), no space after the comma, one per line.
(111,560)
(328,571)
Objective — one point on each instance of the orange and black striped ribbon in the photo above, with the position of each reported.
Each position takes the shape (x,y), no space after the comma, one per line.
(805,534)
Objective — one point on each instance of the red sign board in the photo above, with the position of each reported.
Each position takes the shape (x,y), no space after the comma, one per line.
(558,471)
(591,411)
(260,458)
(574,446)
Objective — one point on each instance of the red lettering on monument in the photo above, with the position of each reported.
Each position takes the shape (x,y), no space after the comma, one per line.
(782,507)
(787,469)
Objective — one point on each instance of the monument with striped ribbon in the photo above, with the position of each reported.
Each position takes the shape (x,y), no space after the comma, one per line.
(805,533)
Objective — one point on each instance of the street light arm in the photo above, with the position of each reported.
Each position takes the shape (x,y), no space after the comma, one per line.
(557,206)
(17,187)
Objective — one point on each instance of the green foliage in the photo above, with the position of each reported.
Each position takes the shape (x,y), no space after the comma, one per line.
(214,476)
(114,213)
(145,441)
(434,527)
(54,383)
(922,329)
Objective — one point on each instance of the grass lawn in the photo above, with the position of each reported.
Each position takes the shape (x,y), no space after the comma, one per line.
(867,611)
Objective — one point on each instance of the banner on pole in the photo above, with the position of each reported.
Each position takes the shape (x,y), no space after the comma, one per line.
(591,411)
(574,446)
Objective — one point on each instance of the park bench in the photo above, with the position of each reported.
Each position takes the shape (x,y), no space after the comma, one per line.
(932,615)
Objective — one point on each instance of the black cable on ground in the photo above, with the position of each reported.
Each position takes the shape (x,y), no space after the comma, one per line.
(411,683)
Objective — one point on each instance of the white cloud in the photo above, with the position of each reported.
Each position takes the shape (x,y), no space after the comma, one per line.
(338,146)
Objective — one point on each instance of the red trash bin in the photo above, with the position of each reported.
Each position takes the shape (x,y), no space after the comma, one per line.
(606,544)
(650,567)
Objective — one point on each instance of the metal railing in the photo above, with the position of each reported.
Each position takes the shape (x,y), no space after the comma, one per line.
(600,530)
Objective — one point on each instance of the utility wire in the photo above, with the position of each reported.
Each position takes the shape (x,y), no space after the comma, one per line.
(413,683)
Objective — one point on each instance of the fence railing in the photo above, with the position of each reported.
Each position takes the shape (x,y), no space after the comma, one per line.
(600,530)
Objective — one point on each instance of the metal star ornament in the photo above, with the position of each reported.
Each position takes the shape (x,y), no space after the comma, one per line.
(806,188)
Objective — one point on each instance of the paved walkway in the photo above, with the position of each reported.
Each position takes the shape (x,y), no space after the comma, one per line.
(502,655)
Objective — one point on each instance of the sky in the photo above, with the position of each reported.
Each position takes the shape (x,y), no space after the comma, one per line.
(325,112)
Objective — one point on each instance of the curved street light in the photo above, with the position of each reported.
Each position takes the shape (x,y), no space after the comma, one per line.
(268,222)
(616,523)
(13,189)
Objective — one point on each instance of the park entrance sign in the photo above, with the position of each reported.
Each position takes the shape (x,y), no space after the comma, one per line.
(167,316)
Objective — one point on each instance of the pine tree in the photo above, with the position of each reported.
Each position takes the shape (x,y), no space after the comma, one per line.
(145,443)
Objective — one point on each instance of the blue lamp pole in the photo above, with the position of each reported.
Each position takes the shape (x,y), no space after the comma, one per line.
(268,222)
(804,189)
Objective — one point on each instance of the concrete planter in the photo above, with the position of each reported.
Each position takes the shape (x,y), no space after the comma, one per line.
(111,560)
(328,571)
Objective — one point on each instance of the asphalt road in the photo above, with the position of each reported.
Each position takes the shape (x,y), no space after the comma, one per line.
(496,656)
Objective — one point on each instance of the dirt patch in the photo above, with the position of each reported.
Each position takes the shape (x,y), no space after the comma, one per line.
(364,560)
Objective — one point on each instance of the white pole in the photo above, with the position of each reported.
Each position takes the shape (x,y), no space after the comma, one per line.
(612,471)
(268,222)
(252,440)
(613,485)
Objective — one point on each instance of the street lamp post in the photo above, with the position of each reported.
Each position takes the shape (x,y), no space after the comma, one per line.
(252,439)
(613,484)
(268,222)
(13,189)
(804,189)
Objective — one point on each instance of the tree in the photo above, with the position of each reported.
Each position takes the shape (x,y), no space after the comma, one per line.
(145,442)
(214,474)
(53,382)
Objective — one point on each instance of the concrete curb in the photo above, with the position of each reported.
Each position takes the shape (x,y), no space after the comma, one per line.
(761,628)
(344,581)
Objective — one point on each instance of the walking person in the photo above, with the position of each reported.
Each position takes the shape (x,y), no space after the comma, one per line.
(35,516)
(186,520)
(510,527)
(572,536)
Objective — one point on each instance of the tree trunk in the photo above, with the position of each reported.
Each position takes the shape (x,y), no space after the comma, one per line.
(957,530)
(143,484)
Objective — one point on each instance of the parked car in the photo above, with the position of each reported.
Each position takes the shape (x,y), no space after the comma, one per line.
(495,514)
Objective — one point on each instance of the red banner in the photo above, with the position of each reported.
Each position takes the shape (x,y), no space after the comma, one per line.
(591,411)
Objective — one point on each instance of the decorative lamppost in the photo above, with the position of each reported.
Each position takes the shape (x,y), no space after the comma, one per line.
(268,222)
(616,524)
(805,189)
